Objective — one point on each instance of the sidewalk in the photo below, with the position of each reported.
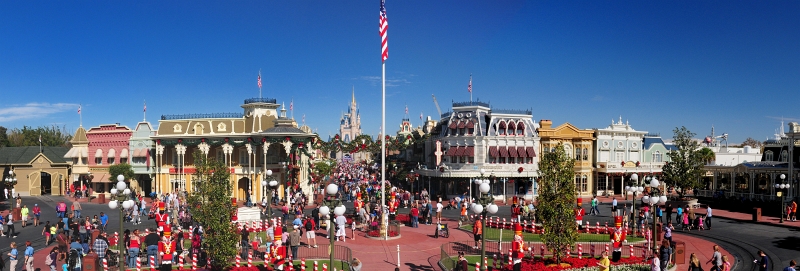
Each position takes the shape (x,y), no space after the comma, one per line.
(745,217)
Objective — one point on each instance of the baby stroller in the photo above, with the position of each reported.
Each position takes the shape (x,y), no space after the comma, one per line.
(113,258)
(74,260)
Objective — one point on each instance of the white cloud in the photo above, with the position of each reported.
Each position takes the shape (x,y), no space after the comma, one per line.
(34,111)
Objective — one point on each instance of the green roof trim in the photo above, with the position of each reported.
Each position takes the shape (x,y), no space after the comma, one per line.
(24,155)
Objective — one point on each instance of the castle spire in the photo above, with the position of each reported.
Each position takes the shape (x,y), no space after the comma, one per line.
(354,94)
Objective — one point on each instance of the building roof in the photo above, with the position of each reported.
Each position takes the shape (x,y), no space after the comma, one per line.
(281,130)
(80,137)
(24,155)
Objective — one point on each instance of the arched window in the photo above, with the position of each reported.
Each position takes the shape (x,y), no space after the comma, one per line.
(584,187)
(768,156)
(501,130)
(520,129)
(585,154)
(578,154)
(512,128)
(568,149)
(784,156)
(657,157)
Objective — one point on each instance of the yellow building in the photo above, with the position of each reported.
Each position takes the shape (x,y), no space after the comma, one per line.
(249,144)
(578,144)
(39,170)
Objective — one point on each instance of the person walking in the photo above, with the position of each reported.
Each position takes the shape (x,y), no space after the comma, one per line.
(726,265)
(655,264)
(76,209)
(668,231)
(694,263)
(664,254)
(12,257)
(716,260)
(679,215)
(708,217)
(29,256)
(791,267)
(37,212)
(51,259)
(414,216)
(24,212)
(477,231)
(133,248)
(763,263)
(311,235)
(604,262)
(10,225)
(595,203)
(614,204)
(294,241)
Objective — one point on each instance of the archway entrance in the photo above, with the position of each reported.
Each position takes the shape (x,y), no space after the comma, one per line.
(241,189)
(46,185)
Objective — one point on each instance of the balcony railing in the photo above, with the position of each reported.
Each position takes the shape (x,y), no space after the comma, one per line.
(470,103)
(513,111)
(261,100)
(203,116)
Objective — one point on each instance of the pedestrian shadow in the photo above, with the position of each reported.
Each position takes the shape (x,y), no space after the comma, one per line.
(791,243)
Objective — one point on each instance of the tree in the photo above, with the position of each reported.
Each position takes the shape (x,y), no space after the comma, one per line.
(120,169)
(3,137)
(556,201)
(324,168)
(707,155)
(210,205)
(752,143)
(51,136)
(686,165)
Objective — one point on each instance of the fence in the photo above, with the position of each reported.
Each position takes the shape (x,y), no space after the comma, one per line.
(449,251)
(341,253)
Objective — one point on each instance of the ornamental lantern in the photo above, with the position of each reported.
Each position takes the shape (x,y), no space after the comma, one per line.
(520,169)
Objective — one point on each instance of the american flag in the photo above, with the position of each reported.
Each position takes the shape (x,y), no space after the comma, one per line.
(145,107)
(259,79)
(291,106)
(469,87)
(406,110)
(420,115)
(79,109)
(383,25)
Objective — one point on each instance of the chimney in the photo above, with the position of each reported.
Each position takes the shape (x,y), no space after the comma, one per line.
(545,124)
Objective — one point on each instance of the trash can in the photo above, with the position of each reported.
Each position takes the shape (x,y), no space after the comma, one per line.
(659,233)
(90,262)
(101,198)
(756,214)
(680,252)
(17,214)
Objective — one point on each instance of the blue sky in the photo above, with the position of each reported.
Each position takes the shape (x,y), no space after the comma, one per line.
(658,64)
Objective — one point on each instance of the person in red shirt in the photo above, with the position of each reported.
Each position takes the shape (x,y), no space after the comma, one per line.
(36,213)
(477,231)
(414,216)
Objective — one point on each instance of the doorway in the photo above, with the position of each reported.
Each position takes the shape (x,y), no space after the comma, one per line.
(617,184)
(46,185)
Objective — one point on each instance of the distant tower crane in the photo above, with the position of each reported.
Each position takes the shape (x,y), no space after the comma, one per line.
(437,105)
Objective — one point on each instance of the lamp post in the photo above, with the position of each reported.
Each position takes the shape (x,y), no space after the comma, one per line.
(485,204)
(655,199)
(331,202)
(634,188)
(780,193)
(121,193)
(272,185)
(11,181)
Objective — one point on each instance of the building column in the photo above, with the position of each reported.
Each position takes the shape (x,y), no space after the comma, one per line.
(250,168)
(159,163)
(228,150)
(181,151)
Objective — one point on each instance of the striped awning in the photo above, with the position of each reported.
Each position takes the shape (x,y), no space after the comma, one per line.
(531,152)
(459,151)
(98,153)
(512,152)
(503,151)
(493,152)
(452,124)
(77,152)
(461,124)
(469,151)
(470,124)
(451,151)
(521,151)
(112,153)
(124,153)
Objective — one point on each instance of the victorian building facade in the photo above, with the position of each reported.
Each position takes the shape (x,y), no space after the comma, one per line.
(249,143)
(78,159)
(141,149)
(38,170)
(618,154)
(578,144)
(108,145)
(475,137)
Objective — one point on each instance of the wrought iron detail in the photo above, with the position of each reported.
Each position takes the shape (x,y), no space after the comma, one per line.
(260,100)
(203,116)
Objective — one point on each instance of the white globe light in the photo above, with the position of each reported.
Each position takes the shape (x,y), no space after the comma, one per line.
(10,172)
(654,183)
(126,191)
(273,183)
(120,178)
(646,199)
(628,188)
(484,188)
(788,185)
(477,181)
(640,189)
(492,208)
(263,183)
(477,208)
(783,176)
(777,185)
(483,171)
(331,189)
(339,210)
(114,191)
(324,210)
(121,185)
(126,204)
(634,177)
(783,186)
(662,199)
(112,204)
(269,172)
(654,200)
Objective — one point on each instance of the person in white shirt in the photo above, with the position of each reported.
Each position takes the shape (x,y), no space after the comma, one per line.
(340,224)
(439,207)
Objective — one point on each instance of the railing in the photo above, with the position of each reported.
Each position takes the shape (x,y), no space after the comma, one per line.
(341,253)
(470,103)
(449,251)
(513,111)
(446,114)
(260,100)
(202,116)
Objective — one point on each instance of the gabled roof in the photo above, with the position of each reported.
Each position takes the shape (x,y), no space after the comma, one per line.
(80,137)
(24,155)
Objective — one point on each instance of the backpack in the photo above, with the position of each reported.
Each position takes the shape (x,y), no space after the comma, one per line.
(49,260)
(309,224)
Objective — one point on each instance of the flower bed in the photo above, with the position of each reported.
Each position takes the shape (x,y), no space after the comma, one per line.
(403,219)
(585,264)
(377,233)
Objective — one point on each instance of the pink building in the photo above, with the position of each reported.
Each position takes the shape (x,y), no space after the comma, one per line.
(108,145)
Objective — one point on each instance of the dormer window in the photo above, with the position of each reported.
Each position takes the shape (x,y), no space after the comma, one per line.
(512,129)
(501,130)
(520,129)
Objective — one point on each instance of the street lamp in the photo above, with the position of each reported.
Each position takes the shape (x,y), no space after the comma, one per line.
(121,191)
(331,202)
(272,185)
(485,204)
(11,181)
(655,199)
(780,193)
(634,188)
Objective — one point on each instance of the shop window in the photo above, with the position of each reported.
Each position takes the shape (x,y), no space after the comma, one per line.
(768,156)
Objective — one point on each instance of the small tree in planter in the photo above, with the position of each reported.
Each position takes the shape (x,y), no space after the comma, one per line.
(557,201)
(686,163)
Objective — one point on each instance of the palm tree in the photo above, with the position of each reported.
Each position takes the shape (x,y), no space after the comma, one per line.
(707,155)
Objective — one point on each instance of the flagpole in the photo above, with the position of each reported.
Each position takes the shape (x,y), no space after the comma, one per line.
(384,220)
(80,115)
(470,89)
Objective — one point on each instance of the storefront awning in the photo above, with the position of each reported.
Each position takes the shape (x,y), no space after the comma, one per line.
(531,151)
(98,153)
(469,151)
(112,153)
(451,151)
(503,151)
(452,125)
(124,153)
(512,151)
(461,124)
(470,124)
(493,152)
(521,151)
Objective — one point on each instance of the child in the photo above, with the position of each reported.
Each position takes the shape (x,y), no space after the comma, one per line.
(700,223)
(46,232)
(686,221)
(353,228)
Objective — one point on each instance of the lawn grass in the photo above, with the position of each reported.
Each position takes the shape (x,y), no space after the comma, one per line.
(508,235)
